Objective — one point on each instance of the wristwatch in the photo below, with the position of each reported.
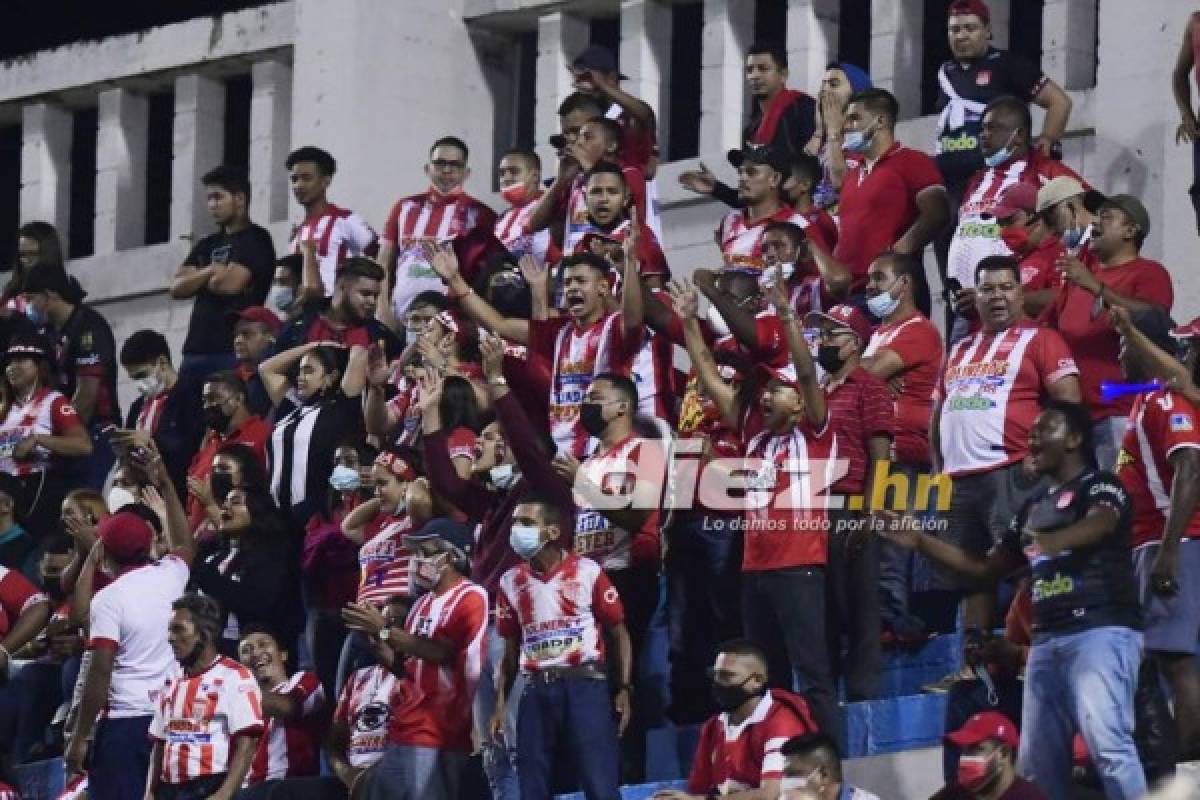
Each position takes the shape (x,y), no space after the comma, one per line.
(500,381)
(385,634)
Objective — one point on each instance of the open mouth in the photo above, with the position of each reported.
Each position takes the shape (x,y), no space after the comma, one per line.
(574,301)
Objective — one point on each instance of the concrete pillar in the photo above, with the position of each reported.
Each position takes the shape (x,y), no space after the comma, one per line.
(561,37)
(728,33)
(1069,42)
(896,51)
(1001,14)
(198,137)
(46,165)
(646,56)
(120,171)
(270,136)
(812,37)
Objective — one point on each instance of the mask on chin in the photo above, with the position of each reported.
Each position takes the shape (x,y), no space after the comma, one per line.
(516,195)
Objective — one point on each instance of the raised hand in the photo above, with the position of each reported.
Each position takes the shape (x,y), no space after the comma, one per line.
(684,297)
(429,388)
(700,181)
(442,258)
(491,349)
(536,274)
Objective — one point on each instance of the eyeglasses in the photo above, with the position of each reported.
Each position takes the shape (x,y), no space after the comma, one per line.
(442,163)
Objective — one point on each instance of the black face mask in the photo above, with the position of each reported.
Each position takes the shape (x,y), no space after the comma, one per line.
(52,585)
(729,698)
(591,417)
(828,358)
(222,485)
(216,419)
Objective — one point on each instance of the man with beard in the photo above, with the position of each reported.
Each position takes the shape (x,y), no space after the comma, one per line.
(348,318)
(208,718)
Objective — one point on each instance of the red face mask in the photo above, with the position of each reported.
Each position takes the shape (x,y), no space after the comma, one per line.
(974,772)
(1016,239)
(516,195)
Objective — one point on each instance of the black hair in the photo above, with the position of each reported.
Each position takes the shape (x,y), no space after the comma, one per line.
(742,647)
(777,52)
(511,297)
(531,157)
(144,347)
(588,259)
(1013,106)
(59,544)
(878,101)
(430,297)
(611,128)
(818,745)
(254,475)
(251,628)
(995,263)
(205,612)
(50,252)
(458,406)
(624,387)
(580,101)
(790,229)
(552,513)
(360,267)
(902,264)
(231,179)
(806,165)
(229,379)
(326,164)
(294,264)
(1079,420)
(451,141)
(607,168)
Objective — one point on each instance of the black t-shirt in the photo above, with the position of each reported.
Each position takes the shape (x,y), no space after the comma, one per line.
(997,73)
(796,126)
(86,348)
(1084,588)
(209,330)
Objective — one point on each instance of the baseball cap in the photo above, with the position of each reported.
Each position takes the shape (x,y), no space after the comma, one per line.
(842,316)
(976,7)
(599,58)
(984,726)
(760,154)
(1189,331)
(1133,208)
(258,314)
(1018,197)
(27,346)
(1157,326)
(126,536)
(452,533)
(785,375)
(1064,187)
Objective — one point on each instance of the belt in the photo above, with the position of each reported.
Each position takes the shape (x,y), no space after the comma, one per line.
(590,672)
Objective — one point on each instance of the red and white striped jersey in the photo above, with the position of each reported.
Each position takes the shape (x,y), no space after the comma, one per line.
(292,748)
(431,706)
(17,594)
(151,412)
(75,789)
(615,472)
(991,390)
(340,234)
(199,716)
(651,259)
(978,234)
(8,793)
(383,559)
(421,218)
(789,475)
(579,221)
(577,356)
(365,707)
(558,616)
(741,241)
(1161,423)
(46,412)
(512,229)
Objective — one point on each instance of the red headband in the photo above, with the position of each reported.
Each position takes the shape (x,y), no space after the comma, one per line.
(397,466)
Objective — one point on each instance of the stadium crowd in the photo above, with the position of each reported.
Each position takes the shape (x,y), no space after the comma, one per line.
(408,503)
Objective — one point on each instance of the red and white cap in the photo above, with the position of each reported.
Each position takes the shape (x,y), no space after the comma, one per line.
(126,536)
(842,317)
(985,726)
(1189,331)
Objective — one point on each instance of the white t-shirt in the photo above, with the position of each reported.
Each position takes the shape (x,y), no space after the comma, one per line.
(130,616)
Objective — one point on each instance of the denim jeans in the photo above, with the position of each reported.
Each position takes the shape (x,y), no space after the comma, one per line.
(498,759)
(415,773)
(577,712)
(898,568)
(1082,682)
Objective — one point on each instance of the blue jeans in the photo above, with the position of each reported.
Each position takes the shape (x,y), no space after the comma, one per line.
(577,712)
(415,773)
(497,758)
(120,759)
(93,471)
(1082,682)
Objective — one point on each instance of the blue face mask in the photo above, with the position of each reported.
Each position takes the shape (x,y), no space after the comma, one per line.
(36,316)
(858,141)
(1003,154)
(525,540)
(345,479)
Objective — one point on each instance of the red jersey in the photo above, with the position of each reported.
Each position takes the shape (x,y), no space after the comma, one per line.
(1083,322)
(615,472)
(431,706)
(292,748)
(339,233)
(699,416)
(860,408)
(978,234)
(384,560)
(916,341)
(734,758)
(991,392)
(515,233)
(365,708)
(1038,270)
(579,221)
(740,240)
(786,496)
(558,616)
(578,355)
(878,203)
(198,717)
(253,433)
(17,595)
(1161,423)
(651,259)
(8,793)
(46,412)
(425,217)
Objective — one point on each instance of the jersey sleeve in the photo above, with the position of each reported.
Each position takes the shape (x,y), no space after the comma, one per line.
(701,780)
(468,620)
(391,228)
(1053,358)
(1027,78)
(243,706)
(1105,491)
(158,723)
(309,693)
(63,415)
(18,594)
(361,235)
(1173,424)
(651,259)
(917,344)
(1154,286)
(507,624)
(606,603)
(769,341)
(104,623)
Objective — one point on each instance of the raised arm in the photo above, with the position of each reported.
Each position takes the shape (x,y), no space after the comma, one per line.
(834,273)
(537,276)
(833,118)
(740,321)
(1181,85)
(355,378)
(445,263)
(354,524)
(552,199)
(806,372)
(312,286)
(723,395)
(275,371)
(633,315)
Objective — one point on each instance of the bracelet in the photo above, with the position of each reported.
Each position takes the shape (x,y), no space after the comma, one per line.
(469,291)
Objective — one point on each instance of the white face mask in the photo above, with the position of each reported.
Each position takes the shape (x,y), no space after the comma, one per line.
(280,298)
(119,497)
(150,385)
(716,321)
(503,476)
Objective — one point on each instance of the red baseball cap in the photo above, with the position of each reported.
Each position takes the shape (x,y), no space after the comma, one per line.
(984,726)
(1018,197)
(976,7)
(1189,331)
(842,316)
(259,314)
(126,536)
